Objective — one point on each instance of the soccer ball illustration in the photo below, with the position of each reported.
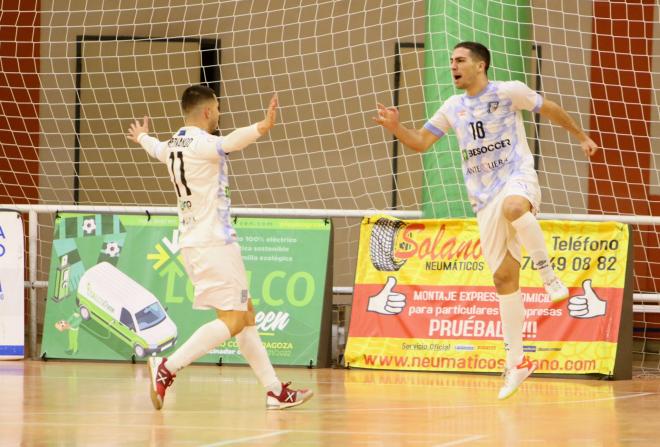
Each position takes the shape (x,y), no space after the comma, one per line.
(112,249)
(89,226)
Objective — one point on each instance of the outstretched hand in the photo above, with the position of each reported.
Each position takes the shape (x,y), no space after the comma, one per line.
(271,116)
(388,117)
(589,147)
(135,129)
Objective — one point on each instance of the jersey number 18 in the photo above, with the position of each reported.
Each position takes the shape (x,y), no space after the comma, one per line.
(478,130)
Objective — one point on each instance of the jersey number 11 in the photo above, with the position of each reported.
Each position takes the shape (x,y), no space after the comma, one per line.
(182,174)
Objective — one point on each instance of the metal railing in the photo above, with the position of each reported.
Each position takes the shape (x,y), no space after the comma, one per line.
(643,302)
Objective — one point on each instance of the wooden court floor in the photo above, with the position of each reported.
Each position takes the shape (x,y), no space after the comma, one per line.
(107,404)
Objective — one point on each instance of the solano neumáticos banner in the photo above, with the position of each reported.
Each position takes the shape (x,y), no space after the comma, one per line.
(424,298)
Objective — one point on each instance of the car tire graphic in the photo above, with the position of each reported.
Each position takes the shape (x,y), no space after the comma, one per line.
(381,244)
(139,351)
(84,313)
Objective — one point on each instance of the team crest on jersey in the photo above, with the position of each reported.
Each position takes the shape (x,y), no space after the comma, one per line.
(492,106)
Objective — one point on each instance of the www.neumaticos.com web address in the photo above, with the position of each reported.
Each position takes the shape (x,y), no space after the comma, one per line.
(472,362)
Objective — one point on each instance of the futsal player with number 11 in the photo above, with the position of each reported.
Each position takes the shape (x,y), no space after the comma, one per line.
(197,165)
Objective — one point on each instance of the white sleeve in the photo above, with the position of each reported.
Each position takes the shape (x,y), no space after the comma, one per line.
(240,138)
(523,97)
(210,147)
(438,125)
(152,146)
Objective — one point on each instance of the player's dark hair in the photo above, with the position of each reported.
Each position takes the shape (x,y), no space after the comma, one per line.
(478,51)
(194,96)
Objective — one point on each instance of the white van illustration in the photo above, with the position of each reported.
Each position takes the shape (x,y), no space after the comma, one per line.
(127,309)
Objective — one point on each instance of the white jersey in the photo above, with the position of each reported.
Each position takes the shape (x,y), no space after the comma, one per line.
(491,136)
(197,164)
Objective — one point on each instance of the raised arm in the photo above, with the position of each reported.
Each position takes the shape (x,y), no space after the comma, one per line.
(417,140)
(139,133)
(244,136)
(557,115)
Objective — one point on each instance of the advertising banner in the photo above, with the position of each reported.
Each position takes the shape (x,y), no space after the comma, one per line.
(12,314)
(118,289)
(424,298)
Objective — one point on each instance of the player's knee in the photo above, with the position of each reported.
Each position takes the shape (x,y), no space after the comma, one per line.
(515,208)
(502,279)
(513,211)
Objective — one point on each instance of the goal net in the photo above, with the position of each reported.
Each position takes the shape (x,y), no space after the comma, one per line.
(75,74)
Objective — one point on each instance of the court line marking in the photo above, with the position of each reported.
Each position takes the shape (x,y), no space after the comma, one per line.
(246,439)
(248,381)
(317,432)
(459,407)
(220,428)
(252,380)
(348,410)
(461,441)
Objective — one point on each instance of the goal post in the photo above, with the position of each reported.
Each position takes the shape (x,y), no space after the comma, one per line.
(75,74)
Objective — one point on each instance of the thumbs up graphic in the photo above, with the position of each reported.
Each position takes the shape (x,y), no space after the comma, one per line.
(387,301)
(588,305)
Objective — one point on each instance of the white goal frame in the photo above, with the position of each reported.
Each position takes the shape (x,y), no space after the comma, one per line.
(642,302)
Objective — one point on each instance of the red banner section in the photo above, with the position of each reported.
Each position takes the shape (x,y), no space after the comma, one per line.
(473,312)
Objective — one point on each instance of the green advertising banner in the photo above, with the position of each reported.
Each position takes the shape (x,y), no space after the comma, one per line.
(118,289)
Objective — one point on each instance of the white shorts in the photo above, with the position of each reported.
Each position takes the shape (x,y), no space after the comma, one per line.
(218,274)
(497,234)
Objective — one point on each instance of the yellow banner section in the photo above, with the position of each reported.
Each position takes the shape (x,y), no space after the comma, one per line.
(476,355)
(448,252)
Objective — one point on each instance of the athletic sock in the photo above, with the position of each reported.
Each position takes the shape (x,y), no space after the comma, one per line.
(200,342)
(255,353)
(531,235)
(512,316)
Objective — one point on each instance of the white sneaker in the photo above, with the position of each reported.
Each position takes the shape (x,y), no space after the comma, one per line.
(556,290)
(514,377)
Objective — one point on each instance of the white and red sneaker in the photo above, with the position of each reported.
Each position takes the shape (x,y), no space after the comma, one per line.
(287,398)
(514,377)
(161,379)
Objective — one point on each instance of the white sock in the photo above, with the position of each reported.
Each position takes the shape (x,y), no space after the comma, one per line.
(255,353)
(512,316)
(200,342)
(530,233)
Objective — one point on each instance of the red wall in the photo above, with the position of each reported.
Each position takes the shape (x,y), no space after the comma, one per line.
(19,101)
(622,95)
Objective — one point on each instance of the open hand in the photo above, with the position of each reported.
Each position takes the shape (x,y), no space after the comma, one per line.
(271,116)
(388,117)
(135,129)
